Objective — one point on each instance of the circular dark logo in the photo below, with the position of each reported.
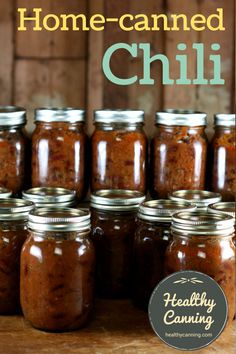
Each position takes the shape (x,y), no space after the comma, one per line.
(188,310)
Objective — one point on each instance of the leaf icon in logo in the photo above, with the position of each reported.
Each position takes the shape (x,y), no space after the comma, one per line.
(188,280)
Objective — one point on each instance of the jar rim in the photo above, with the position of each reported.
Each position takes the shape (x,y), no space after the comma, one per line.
(116,199)
(228,208)
(223,119)
(178,117)
(163,209)
(5,193)
(63,219)
(126,116)
(57,114)
(47,195)
(202,223)
(12,116)
(201,198)
(15,209)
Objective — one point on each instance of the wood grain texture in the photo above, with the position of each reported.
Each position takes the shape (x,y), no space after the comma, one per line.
(184,96)
(54,83)
(57,44)
(7,51)
(117,327)
(95,75)
(116,96)
(211,98)
(147,97)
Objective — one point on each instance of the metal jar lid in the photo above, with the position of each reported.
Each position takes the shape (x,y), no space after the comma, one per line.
(202,223)
(12,116)
(201,198)
(15,209)
(50,197)
(61,220)
(162,210)
(227,120)
(118,116)
(67,114)
(181,118)
(116,199)
(5,193)
(228,208)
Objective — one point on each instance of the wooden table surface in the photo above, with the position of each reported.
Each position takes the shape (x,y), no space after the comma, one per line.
(117,327)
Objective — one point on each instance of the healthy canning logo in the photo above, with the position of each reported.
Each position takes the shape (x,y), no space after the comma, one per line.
(188,310)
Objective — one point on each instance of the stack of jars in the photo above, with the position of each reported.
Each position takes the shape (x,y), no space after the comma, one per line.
(118,154)
(136,242)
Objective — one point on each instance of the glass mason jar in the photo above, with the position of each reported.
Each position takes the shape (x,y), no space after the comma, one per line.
(13,148)
(13,233)
(228,208)
(178,152)
(114,214)
(49,197)
(223,150)
(58,149)
(59,256)
(201,198)
(152,237)
(203,242)
(119,151)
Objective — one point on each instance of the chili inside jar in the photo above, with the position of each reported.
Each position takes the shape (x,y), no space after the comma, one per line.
(59,146)
(203,242)
(114,214)
(152,237)
(14,146)
(223,149)
(201,198)
(178,152)
(59,256)
(13,233)
(119,150)
(49,197)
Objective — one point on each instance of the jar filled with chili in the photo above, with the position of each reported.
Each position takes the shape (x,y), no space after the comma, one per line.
(13,148)
(152,237)
(201,198)
(223,150)
(13,233)
(58,149)
(178,152)
(114,214)
(49,197)
(59,256)
(228,208)
(203,242)
(119,150)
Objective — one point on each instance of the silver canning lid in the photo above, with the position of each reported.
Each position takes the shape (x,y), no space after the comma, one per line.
(65,219)
(162,209)
(5,193)
(12,115)
(50,197)
(181,118)
(227,120)
(67,114)
(228,208)
(116,199)
(15,209)
(202,223)
(201,198)
(118,116)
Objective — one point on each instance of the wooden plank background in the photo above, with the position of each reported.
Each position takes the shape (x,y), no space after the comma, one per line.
(64,68)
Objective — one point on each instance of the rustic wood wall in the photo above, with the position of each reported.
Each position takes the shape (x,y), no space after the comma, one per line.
(64,68)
